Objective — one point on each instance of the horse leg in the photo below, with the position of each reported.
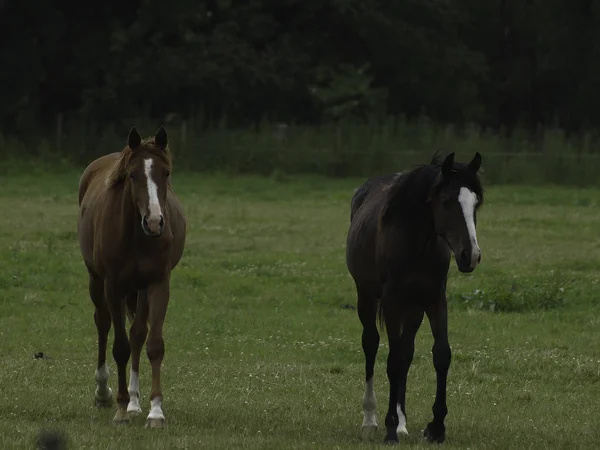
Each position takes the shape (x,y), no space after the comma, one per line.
(442,356)
(137,334)
(102,319)
(402,324)
(121,349)
(158,299)
(412,321)
(367,313)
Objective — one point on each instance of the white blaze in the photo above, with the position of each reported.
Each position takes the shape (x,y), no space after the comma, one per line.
(468,201)
(153,205)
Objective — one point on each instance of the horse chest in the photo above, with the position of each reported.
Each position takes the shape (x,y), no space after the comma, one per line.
(136,270)
(146,270)
(426,276)
(420,281)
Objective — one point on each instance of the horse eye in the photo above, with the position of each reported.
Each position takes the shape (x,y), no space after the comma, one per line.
(132,176)
(167,173)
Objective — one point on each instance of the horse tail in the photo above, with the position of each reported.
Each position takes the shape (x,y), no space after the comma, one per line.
(397,313)
(131,306)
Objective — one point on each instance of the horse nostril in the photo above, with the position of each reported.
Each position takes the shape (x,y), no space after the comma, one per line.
(479,259)
(162,221)
(145,222)
(463,256)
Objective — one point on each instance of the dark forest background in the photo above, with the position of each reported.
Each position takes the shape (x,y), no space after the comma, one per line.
(373,76)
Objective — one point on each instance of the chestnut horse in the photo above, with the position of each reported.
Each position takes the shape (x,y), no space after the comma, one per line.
(131,232)
(403,229)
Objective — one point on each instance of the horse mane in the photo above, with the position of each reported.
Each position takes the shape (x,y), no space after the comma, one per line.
(410,192)
(122,166)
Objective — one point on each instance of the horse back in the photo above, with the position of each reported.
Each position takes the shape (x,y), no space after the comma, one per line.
(369,189)
(361,244)
(93,171)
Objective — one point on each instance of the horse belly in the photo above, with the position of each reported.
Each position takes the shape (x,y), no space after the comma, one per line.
(361,254)
(85,235)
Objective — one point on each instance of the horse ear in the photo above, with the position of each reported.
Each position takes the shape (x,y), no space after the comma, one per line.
(475,164)
(161,138)
(448,165)
(134,139)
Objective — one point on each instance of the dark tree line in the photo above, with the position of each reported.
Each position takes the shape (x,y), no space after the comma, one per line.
(499,63)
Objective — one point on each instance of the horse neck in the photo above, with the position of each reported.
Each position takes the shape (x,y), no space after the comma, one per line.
(419,229)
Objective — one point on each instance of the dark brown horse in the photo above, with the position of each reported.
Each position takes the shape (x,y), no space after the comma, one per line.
(403,230)
(131,234)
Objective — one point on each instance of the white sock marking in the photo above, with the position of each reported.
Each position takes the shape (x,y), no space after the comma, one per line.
(468,200)
(369,403)
(103,392)
(401,429)
(156,409)
(134,392)
(153,205)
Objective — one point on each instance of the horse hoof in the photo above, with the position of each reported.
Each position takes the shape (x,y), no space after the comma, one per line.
(135,414)
(391,439)
(155,423)
(367,432)
(121,421)
(435,434)
(134,410)
(105,401)
(121,417)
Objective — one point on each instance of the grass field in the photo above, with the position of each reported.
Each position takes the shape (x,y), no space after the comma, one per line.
(262,349)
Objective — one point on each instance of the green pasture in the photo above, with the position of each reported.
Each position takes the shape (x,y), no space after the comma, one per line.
(262,342)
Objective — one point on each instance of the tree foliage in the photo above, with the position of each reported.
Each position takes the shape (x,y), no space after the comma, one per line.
(499,63)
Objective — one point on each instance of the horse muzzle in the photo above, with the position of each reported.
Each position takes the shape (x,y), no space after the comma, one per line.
(468,261)
(153,226)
